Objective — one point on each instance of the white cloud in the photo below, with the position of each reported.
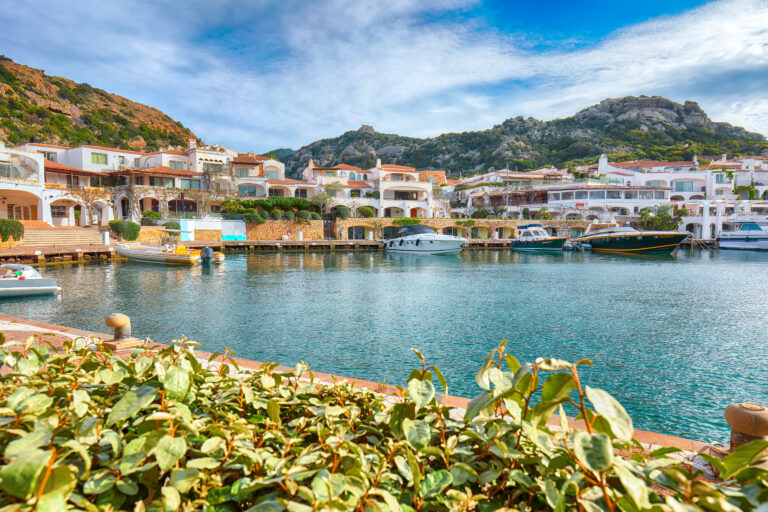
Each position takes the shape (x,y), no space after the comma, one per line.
(291,72)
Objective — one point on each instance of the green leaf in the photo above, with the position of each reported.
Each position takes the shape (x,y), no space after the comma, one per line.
(80,399)
(127,486)
(417,433)
(502,381)
(553,365)
(421,392)
(321,486)
(273,410)
(36,439)
(53,502)
(743,456)
(61,481)
(435,482)
(169,450)
(99,482)
(20,477)
(478,404)
(461,473)
(557,387)
(610,409)
(184,479)
(171,498)
(131,403)
(176,383)
(595,452)
(482,378)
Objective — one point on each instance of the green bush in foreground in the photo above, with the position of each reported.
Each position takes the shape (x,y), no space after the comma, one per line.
(125,229)
(161,432)
(172,224)
(11,228)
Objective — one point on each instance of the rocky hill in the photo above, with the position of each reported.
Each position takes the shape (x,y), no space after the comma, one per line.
(35,107)
(625,128)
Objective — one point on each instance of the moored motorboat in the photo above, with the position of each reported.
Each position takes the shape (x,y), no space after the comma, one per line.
(626,239)
(22,280)
(419,239)
(165,253)
(533,237)
(749,236)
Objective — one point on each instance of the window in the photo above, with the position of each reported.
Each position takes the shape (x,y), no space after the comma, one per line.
(58,211)
(212,168)
(190,184)
(72,181)
(474,233)
(175,164)
(396,177)
(139,180)
(613,194)
(95,181)
(99,158)
(161,182)
(654,184)
(683,186)
(136,162)
(719,177)
(301,192)
(249,191)
(597,194)
(271,175)
(356,233)
(355,193)
(630,194)
(617,180)
(431,179)
(48,155)
(215,208)
(719,192)
(554,196)
(275,192)
(566,196)
(241,172)
(646,194)
(659,194)
(451,231)
(121,160)
(581,194)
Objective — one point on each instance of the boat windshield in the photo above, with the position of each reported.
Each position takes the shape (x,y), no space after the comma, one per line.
(750,226)
(415,229)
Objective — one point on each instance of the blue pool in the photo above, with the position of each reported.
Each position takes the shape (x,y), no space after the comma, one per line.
(674,339)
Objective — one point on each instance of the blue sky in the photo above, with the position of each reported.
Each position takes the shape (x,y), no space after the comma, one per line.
(261,74)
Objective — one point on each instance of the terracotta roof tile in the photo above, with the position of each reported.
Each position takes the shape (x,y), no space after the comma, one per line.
(288,182)
(357,184)
(58,167)
(245,158)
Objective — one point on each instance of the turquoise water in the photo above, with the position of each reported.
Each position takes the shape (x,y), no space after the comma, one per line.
(674,339)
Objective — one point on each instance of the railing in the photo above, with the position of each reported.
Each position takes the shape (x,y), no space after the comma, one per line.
(56,186)
(19,181)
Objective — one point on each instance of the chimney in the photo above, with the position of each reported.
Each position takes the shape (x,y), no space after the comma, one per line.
(602,164)
(725,158)
(311,164)
(378,163)
(695,160)
(191,144)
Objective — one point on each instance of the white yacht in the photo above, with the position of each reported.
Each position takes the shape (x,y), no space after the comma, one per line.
(22,280)
(749,236)
(419,239)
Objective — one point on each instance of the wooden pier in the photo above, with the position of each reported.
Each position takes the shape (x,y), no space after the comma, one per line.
(58,254)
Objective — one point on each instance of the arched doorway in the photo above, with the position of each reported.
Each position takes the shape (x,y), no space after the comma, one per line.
(125,208)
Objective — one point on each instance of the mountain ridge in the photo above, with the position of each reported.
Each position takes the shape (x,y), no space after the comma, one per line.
(36,107)
(642,127)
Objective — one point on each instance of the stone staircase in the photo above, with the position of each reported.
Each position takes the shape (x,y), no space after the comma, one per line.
(35,224)
(60,236)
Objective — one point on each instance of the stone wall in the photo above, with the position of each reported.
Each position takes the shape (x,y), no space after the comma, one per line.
(485,227)
(151,234)
(10,243)
(207,235)
(277,229)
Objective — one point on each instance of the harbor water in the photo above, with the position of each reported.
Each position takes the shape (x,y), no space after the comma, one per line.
(674,339)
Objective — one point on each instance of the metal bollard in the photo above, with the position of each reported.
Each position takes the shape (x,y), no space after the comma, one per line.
(748,422)
(122,338)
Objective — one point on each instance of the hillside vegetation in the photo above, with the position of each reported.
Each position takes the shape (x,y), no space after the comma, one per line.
(626,128)
(35,107)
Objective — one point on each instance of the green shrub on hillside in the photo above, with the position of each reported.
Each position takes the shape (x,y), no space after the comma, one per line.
(125,229)
(172,224)
(315,216)
(304,215)
(289,215)
(341,212)
(161,431)
(11,228)
(151,214)
(276,214)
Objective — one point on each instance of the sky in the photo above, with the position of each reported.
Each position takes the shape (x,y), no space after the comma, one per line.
(262,74)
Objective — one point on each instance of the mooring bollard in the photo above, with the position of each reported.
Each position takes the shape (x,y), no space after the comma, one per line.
(122,338)
(748,422)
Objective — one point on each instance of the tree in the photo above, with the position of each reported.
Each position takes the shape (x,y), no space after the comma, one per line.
(89,196)
(325,198)
(545,214)
(645,214)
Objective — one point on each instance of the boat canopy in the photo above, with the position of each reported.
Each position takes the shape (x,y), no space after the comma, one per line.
(530,226)
(415,229)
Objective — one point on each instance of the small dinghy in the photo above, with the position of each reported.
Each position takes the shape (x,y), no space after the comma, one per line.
(22,280)
(177,254)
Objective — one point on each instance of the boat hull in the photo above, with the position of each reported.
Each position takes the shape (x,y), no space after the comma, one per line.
(643,243)
(157,257)
(743,243)
(546,244)
(425,246)
(27,287)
